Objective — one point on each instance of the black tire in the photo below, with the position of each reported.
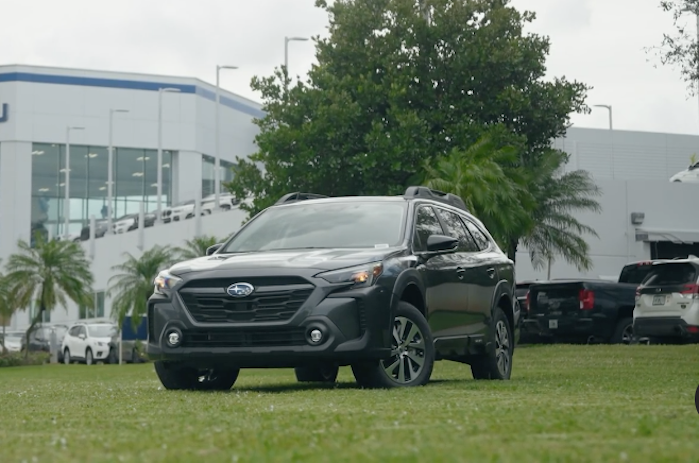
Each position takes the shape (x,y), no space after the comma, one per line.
(66,356)
(319,374)
(623,332)
(113,358)
(407,353)
(175,377)
(497,363)
(89,358)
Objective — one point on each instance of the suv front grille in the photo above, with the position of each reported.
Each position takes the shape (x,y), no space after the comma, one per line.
(245,338)
(208,302)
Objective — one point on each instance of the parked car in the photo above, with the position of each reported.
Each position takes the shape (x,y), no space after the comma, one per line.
(387,285)
(12,340)
(129,222)
(180,211)
(585,310)
(101,227)
(667,302)
(225,200)
(87,342)
(688,175)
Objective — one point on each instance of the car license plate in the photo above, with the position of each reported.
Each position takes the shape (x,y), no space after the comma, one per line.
(659,300)
(553,324)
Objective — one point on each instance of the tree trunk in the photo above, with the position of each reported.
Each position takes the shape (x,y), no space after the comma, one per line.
(512,249)
(35,321)
(4,348)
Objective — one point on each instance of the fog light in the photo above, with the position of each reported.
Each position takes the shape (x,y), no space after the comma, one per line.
(316,336)
(174,337)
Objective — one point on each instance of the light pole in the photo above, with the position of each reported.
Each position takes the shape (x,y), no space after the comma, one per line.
(158,215)
(217,155)
(66,206)
(286,49)
(609,107)
(110,173)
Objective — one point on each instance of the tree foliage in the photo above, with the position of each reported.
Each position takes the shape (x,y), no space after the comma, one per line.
(196,247)
(133,285)
(47,275)
(392,91)
(680,48)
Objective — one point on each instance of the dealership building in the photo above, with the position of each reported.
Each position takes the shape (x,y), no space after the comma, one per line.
(45,110)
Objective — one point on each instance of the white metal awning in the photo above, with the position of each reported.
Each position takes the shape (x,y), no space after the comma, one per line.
(674,236)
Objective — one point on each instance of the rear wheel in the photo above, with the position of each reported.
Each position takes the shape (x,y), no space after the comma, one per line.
(496,364)
(177,377)
(318,374)
(623,333)
(412,354)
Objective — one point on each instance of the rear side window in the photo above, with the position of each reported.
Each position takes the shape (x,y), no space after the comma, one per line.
(478,236)
(635,273)
(456,229)
(671,275)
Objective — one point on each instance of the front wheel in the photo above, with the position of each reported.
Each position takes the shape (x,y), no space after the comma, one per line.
(497,363)
(177,377)
(89,360)
(412,354)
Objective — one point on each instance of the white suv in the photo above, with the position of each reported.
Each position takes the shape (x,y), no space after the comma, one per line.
(667,301)
(87,342)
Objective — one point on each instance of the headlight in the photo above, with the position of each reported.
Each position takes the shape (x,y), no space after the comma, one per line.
(164,282)
(361,276)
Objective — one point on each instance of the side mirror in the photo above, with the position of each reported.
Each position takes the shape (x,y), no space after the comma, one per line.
(441,243)
(82,336)
(212,249)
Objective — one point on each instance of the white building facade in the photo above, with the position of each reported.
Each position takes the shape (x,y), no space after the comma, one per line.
(42,109)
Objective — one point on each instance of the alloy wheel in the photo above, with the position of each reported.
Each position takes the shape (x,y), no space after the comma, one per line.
(407,352)
(502,347)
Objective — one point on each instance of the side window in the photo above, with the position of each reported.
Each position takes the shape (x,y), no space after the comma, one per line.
(456,229)
(74,331)
(82,331)
(478,236)
(426,224)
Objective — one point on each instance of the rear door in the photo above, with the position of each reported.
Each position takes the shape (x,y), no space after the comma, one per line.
(668,290)
(557,304)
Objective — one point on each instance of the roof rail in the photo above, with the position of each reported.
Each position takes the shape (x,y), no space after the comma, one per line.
(297,196)
(436,195)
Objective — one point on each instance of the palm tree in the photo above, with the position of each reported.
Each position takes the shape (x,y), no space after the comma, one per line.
(556,231)
(50,273)
(134,284)
(486,177)
(196,247)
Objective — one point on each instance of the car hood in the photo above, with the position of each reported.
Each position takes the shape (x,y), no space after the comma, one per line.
(318,259)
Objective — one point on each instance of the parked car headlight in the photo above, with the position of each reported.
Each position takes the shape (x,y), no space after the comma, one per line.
(360,276)
(164,283)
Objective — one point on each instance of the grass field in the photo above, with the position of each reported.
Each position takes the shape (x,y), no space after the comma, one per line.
(564,403)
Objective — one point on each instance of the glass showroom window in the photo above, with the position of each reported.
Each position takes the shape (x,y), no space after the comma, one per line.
(135,175)
(207,173)
(97,310)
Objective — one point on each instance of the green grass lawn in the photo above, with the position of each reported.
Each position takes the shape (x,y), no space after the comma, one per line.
(564,403)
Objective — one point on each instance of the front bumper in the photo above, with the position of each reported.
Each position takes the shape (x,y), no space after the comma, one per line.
(665,327)
(355,326)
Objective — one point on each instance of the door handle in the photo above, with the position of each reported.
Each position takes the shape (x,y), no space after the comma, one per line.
(460,272)
(491,272)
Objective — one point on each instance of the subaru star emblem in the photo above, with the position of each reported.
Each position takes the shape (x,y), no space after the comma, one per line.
(240,289)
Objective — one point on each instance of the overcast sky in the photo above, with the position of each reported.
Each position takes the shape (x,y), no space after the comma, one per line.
(599,42)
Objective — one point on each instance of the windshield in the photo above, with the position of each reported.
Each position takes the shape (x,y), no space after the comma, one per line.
(323,225)
(101,331)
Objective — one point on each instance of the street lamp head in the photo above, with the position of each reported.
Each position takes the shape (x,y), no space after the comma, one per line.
(297,39)
(226,67)
(76,128)
(602,106)
(119,110)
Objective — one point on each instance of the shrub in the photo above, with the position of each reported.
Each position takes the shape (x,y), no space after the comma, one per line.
(16,359)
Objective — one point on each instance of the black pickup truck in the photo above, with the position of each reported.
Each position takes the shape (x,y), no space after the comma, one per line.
(580,310)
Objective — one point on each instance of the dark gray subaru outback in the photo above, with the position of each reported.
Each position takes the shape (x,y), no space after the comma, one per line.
(385,284)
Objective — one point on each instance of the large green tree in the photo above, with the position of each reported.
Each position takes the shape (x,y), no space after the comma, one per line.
(196,247)
(49,274)
(393,89)
(680,47)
